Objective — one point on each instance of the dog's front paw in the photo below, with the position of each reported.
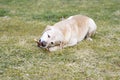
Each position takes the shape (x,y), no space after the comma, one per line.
(55,48)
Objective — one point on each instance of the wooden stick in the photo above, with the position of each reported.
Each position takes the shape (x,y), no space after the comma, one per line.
(38,43)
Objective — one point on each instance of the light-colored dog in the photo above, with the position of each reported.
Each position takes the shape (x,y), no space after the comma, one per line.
(67,32)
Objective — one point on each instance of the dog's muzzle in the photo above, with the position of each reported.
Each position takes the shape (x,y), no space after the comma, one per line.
(43,43)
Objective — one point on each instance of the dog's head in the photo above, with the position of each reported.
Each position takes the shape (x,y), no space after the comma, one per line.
(50,37)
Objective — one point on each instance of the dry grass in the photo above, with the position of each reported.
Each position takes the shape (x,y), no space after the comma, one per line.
(23,20)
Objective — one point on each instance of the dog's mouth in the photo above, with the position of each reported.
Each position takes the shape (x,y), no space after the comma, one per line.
(39,44)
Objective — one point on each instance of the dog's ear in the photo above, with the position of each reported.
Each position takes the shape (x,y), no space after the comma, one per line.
(48,27)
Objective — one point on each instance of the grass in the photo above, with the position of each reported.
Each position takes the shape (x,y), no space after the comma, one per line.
(23,20)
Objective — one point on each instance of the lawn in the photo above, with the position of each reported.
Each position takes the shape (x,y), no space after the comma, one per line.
(23,20)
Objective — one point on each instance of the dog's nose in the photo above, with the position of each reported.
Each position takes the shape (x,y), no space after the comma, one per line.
(43,43)
(40,41)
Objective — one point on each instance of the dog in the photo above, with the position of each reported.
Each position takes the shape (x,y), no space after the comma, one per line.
(67,32)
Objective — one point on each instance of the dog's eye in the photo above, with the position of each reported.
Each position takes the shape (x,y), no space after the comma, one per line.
(48,36)
(51,42)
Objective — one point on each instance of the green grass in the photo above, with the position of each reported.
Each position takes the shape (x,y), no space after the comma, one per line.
(23,20)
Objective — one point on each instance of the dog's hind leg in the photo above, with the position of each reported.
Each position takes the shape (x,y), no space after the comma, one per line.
(89,35)
(92,29)
(71,43)
(55,48)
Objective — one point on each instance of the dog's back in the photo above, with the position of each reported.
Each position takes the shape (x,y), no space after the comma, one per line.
(77,27)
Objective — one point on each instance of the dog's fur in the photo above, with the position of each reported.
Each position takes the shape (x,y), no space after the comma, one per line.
(68,32)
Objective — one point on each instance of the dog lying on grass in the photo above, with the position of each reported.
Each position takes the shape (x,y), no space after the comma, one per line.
(67,32)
